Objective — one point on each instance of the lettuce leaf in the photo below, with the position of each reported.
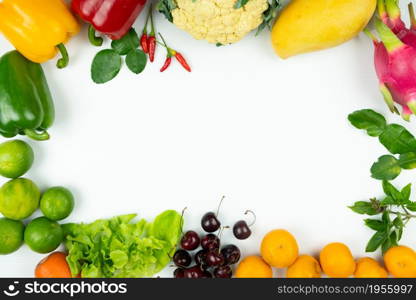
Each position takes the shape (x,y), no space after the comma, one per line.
(120,248)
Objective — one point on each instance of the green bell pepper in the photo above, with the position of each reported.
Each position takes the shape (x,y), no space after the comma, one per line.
(26,105)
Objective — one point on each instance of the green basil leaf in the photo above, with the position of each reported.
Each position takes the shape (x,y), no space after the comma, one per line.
(369,120)
(411,206)
(128,42)
(397,139)
(398,222)
(388,201)
(136,61)
(408,160)
(376,240)
(364,208)
(386,245)
(386,218)
(105,66)
(386,168)
(394,193)
(393,238)
(376,225)
(240,4)
(406,191)
(399,232)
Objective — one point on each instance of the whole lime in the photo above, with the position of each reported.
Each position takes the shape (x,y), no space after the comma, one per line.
(16,158)
(11,235)
(19,198)
(43,235)
(57,203)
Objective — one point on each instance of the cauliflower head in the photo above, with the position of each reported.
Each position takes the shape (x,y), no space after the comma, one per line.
(218,21)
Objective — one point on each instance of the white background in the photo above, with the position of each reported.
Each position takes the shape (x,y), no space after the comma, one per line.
(270,134)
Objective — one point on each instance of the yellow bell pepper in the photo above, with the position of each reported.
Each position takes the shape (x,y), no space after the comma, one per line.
(38,28)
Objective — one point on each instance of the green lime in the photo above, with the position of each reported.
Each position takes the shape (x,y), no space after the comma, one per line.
(19,198)
(43,235)
(16,158)
(57,203)
(11,235)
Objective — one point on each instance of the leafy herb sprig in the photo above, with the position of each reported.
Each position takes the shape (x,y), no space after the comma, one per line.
(107,63)
(394,211)
(394,137)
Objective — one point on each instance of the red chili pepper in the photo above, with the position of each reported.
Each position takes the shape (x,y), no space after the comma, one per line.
(182,61)
(144,43)
(152,48)
(179,57)
(111,17)
(167,63)
(151,41)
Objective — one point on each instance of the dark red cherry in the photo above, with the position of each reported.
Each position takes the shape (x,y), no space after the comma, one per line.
(214,259)
(241,230)
(194,272)
(190,241)
(210,242)
(201,258)
(231,254)
(182,258)
(179,273)
(210,222)
(223,272)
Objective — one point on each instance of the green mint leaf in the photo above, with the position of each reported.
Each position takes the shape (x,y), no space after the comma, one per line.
(407,161)
(386,245)
(391,191)
(411,206)
(398,222)
(128,42)
(393,238)
(240,4)
(376,240)
(369,120)
(399,232)
(386,168)
(405,192)
(105,66)
(136,61)
(376,225)
(397,139)
(386,218)
(388,201)
(364,208)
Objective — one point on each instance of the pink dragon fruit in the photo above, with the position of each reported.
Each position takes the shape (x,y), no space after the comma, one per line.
(395,57)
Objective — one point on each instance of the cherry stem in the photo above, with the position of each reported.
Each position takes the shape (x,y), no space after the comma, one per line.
(219,206)
(254,215)
(220,233)
(182,219)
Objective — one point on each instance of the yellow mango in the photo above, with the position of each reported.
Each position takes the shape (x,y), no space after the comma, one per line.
(311,25)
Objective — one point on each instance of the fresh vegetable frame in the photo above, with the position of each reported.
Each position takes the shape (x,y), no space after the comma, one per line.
(121,247)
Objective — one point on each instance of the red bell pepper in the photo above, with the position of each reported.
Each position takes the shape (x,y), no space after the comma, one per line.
(111,17)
